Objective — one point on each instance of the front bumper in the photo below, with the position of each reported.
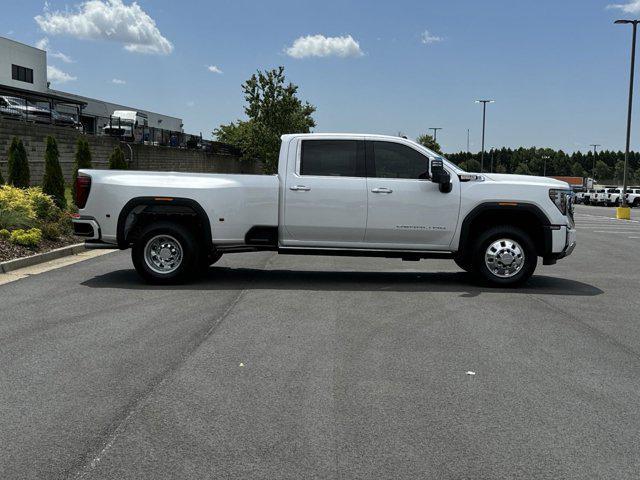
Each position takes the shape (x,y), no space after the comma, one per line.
(564,241)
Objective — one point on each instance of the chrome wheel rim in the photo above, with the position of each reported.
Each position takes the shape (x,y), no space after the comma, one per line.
(163,254)
(504,258)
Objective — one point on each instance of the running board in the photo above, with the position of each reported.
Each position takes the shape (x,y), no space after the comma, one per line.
(410,255)
(99,246)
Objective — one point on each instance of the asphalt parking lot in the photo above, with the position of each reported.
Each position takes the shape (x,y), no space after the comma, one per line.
(318,367)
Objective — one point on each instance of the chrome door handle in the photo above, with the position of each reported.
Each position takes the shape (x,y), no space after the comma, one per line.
(300,188)
(382,190)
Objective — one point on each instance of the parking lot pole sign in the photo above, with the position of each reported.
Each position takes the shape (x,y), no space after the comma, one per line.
(625,213)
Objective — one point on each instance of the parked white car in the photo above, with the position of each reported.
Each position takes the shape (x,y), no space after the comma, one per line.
(588,196)
(599,197)
(633,196)
(359,195)
(613,197)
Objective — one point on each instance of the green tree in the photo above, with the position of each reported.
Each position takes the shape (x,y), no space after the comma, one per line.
(603,171)
(18,163)
(82,160)
(429,142)
(618,173)
(472,165)
(577,170)
(1,178)
(273,109)
(53,181)
(522,169)
(117,160)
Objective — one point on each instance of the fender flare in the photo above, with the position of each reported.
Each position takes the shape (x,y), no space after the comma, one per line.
(163,201)
(509,207)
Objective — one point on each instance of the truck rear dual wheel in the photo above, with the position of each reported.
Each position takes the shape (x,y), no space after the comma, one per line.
(505,256)
(166,253)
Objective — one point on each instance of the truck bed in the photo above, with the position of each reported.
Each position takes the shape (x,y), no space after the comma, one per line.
(233,202)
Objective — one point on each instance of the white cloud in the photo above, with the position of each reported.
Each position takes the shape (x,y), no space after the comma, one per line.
(108,20)
(191,103)
(43,44)
(118,81)
(321,46)
(55,75)
(62,56)
(428,38)
(214,69)
(632,6)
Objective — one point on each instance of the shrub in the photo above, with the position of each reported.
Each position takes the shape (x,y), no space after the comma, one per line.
(11,219)
(53,182)
(18,163)
(43,205)
(16,200)
(27,238)
(51,230)
(117,160)
(83,160)
(5,234)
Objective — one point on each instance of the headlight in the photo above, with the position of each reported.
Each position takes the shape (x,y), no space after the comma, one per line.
(563,199)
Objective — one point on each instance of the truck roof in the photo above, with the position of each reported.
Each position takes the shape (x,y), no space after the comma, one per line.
(346,135)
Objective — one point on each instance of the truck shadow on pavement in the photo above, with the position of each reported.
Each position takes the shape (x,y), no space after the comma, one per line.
(222,278)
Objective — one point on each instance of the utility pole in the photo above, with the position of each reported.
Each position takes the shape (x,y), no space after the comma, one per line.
(467,140)
(630,108)
(484,122)
(595,152)
(435,132)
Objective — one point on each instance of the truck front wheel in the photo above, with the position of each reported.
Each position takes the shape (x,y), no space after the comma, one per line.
(165,253)
(505,256)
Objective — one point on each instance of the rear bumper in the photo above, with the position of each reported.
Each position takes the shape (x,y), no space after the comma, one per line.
(87,227)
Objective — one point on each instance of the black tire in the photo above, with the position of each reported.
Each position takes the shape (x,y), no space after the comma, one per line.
(211,258)
(190,258)
(464,263)
(214,257)
(486,238)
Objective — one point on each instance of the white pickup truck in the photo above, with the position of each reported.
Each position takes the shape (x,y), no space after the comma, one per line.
(359,195)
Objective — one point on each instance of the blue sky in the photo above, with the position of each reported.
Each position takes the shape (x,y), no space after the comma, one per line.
(558,69)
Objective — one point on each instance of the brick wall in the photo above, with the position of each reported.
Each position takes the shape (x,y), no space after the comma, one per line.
(145,157)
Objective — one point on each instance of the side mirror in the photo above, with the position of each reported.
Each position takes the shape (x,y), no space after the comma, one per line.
(440,175)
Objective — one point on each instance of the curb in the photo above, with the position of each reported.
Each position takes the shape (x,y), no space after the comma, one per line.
(10,265)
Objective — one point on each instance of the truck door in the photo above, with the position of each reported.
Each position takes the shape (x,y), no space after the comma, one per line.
(325,194)
(405,209)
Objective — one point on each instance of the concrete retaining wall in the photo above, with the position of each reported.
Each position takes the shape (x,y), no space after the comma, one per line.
(145,157)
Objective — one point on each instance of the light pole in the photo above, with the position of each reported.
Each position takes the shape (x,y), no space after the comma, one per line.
(544,171)
(467,140)
(484,122)
(595,152)
(435,133)
(633,66)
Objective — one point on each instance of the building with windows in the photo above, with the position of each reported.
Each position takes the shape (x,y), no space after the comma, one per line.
(23,76)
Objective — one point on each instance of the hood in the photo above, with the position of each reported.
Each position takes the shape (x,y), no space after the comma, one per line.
(526,180)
